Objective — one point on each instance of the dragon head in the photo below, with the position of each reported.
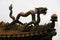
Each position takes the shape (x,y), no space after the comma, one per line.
(41,10)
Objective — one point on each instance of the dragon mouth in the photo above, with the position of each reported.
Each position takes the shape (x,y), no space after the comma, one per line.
(45,13)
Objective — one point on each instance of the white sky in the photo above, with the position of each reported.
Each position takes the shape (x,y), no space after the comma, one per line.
(26,5)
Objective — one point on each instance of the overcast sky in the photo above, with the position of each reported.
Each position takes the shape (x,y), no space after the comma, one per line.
(26,5)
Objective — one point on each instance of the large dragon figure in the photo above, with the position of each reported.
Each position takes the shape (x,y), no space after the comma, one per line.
(37,11)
